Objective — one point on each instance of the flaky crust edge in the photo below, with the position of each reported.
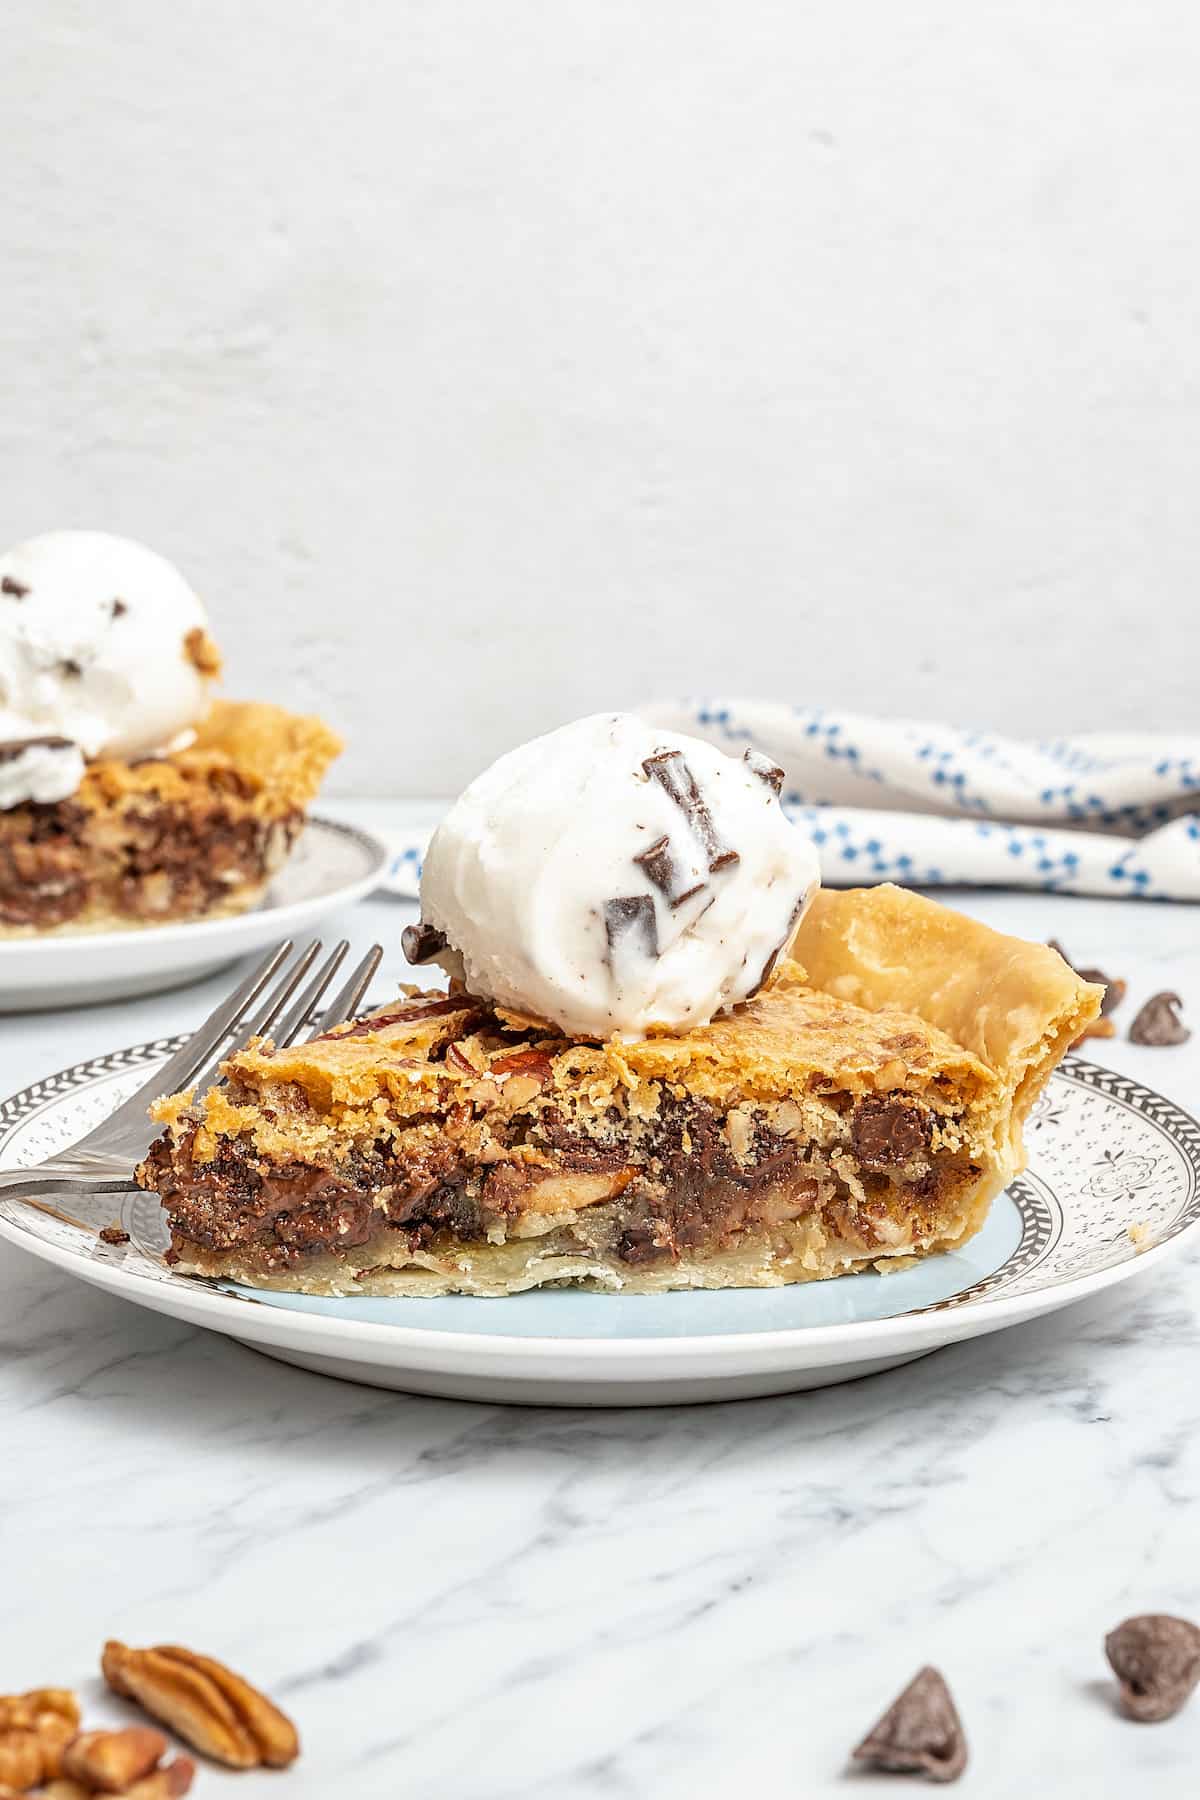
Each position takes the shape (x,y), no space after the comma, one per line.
(1014,1004)
(280,756)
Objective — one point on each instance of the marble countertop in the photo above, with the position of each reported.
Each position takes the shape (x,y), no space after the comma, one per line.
(482,1603)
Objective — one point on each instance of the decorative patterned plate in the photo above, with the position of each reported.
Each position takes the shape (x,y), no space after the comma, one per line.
(1113,1185)
(331,866)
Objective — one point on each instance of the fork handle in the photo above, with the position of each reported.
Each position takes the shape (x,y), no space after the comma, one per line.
(58,1178)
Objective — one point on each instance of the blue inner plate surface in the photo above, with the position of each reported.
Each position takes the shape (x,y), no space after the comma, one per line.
(575,1312)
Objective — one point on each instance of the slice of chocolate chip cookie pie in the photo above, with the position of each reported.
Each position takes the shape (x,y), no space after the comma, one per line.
(193,833)
(863,1108)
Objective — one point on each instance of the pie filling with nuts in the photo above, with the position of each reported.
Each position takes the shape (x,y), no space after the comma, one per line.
(863,1109)
(196,833)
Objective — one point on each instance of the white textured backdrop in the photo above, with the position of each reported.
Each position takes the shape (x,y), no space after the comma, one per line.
(485,364)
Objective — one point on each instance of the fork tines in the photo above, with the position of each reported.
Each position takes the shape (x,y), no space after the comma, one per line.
(264,1003)
(282,1023)
(272,986)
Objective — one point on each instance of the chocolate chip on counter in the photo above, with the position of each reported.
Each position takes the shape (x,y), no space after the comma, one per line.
(1159,1023)
(69,666)
(420,942)
(10,585)
(1156,1659)
(669,768)
(112,1234)
(119,609)
(667,875)
(765,769)
(632,919)
(919,1734)
(887,1132)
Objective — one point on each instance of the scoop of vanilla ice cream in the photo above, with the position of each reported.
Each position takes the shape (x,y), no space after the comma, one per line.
(612,877)
(102,643)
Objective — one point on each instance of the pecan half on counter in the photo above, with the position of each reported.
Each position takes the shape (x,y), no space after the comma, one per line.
(215,1711)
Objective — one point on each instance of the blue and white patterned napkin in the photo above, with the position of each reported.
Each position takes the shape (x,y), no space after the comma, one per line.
(932,806)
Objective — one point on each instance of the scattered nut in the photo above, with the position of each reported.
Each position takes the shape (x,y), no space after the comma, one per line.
(206,1704)
(166,1783)
(21,1764)
(1156,1659)
(1159,1023)
(201,652)
(112,1234)
(34,1730)
(532,1063)
(113,1759)
(458,1060)
(919,1734)
(23,1709)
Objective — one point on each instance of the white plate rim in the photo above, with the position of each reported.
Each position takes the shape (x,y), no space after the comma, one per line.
(632,1357)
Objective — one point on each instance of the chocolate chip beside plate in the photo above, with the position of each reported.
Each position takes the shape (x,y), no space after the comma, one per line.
(919,1734)
(1159,1023)
(1156,1659)
(10,585)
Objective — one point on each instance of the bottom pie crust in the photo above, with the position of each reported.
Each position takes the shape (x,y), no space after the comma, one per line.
(386,1266)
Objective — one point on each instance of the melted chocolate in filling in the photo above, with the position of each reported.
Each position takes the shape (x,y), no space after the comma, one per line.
(690,1193)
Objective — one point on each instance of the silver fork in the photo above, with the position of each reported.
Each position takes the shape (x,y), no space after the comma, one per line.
(103,1161)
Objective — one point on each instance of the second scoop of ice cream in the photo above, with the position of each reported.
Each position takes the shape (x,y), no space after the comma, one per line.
(102,644)
(612,877)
